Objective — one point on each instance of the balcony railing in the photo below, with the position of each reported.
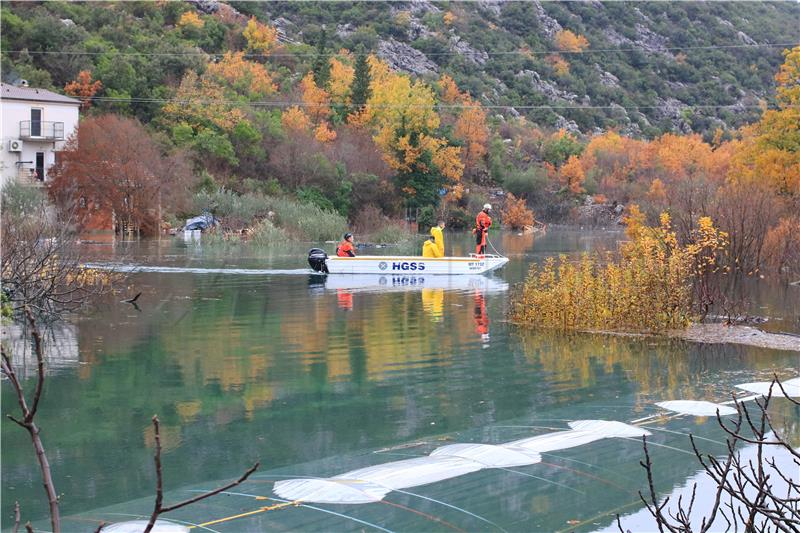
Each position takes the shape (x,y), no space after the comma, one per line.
(40,129)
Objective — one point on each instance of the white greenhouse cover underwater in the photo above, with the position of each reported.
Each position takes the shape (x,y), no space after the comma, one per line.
(137,526)
(373,483)
(791,386)
(697,408)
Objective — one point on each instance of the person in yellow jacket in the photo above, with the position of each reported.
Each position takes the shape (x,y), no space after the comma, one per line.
(434,246)
(429,248)
(438,237)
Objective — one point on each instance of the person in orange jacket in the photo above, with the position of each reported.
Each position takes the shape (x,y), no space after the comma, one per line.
(482,223)
(346,247)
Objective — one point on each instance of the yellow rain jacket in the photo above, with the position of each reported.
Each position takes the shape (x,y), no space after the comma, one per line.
(429,249)
(438,237)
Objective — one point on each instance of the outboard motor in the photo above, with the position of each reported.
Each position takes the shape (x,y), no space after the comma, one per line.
(316,259)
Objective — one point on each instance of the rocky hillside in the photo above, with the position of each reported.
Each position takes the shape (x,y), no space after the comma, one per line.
(640,67)
(646,67)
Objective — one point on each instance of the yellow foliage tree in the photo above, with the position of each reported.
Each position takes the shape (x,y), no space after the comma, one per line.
(788,78)
(324,133)
(202,102)
(447,159)
(450,93)
(402,18)
(340,81)
(295,120)
(572,176)
(261,38)
(402,114)
(515,213)
(399,106)
(657,193)
(570,42)
(559,64)
(316,99)
(246,77)
(190,19)
(449,18)
(471,129)
(772,147)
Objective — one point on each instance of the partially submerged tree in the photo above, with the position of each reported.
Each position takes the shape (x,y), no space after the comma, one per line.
(113,165)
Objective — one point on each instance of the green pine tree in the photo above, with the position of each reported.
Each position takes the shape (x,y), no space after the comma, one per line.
(359,89)
(322,64)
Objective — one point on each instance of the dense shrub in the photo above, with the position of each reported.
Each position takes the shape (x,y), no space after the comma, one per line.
(649,288)
(235,211)
(306,221)
(459,218)
(300,220)
(391,233)
(265,233)
(530,184)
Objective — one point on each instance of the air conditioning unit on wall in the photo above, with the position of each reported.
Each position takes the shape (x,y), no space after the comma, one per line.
(14,145)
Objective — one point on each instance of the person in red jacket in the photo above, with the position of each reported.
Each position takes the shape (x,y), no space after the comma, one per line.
(482,223)
(346,247)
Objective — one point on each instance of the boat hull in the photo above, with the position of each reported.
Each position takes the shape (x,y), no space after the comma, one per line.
(447,266)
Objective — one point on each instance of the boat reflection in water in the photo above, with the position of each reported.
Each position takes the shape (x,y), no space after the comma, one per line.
(407,282)
(432,289)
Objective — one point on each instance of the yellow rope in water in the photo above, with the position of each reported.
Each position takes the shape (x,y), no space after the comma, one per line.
(249,513)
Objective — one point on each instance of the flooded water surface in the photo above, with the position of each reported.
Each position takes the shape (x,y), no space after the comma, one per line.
(246,355)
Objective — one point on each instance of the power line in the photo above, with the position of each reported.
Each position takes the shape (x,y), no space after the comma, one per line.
(429,54)
(285,104)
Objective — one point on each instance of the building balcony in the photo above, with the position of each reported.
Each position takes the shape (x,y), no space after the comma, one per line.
(40,130)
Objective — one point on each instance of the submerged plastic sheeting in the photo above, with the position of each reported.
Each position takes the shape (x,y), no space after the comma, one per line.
(137,526)
(582,432)
(489,455)
(371,484)
(331,490)
(791,386)
(697,408)
(414,472)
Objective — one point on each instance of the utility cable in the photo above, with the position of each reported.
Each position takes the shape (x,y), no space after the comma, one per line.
(428,54)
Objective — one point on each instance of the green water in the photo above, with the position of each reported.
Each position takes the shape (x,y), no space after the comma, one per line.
(313,379)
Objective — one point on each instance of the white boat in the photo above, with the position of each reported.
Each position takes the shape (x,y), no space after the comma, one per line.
(395,264)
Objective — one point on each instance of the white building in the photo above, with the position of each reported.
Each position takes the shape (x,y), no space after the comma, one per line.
(35,125)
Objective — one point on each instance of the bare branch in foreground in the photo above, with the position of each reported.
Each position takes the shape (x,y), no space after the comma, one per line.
(28,414)
(159,508)
(753,501)
(16,517)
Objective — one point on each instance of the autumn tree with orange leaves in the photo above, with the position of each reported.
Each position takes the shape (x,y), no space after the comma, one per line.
(515,213)
(317,101)
(471,129)
(84,88)
(568,41)
(114,167)
(572,176)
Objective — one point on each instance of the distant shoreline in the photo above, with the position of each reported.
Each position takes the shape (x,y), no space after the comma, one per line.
(721,334)
(746,335)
